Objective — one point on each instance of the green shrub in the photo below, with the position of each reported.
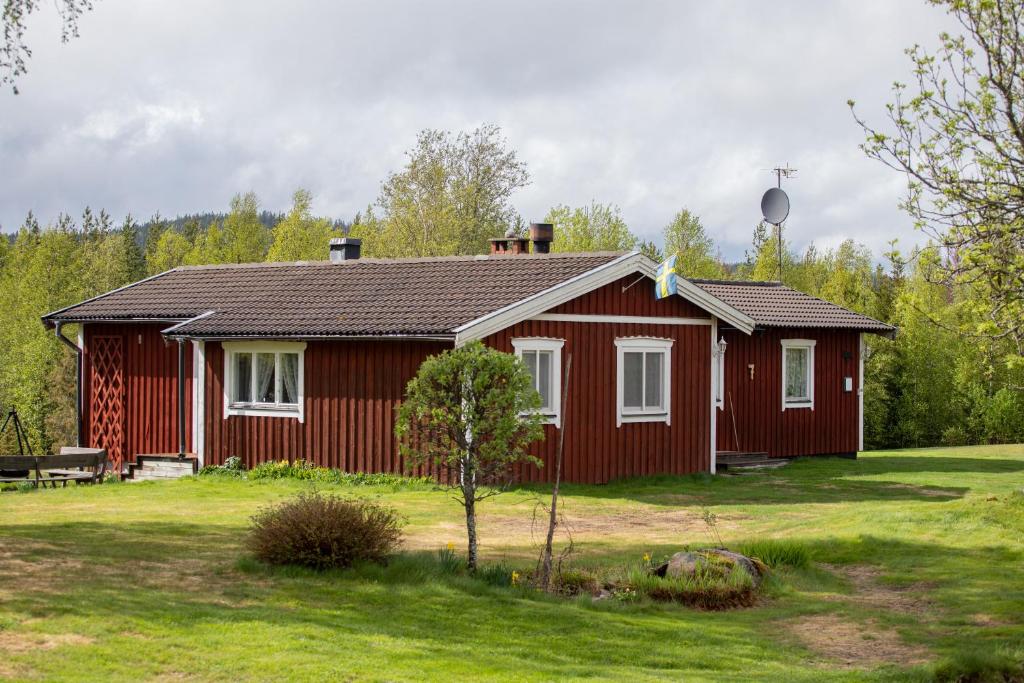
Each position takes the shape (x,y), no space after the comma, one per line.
(713,586)
(1004,417)
(776,553)
(232,467)
(324,532)
(305,471)
(955,436)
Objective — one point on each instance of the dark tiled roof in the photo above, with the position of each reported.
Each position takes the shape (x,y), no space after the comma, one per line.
(771,304)
(427,296)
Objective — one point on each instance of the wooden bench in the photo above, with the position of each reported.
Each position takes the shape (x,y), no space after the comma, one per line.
(18,468)
(80,465)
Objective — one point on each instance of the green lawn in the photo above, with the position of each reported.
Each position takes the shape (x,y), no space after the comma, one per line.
(919,569)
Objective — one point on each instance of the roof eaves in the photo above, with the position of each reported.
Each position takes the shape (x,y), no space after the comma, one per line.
(48,318)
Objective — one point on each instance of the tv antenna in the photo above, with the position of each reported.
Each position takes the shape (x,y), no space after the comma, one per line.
(775,205)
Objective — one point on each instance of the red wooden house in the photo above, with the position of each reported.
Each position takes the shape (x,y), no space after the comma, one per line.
(309,360)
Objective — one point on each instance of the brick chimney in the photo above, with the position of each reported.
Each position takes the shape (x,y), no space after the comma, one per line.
(541,234)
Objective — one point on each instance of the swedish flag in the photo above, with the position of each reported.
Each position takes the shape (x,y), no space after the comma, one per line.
(665,280)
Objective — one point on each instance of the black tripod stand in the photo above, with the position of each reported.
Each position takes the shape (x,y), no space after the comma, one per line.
(19,431)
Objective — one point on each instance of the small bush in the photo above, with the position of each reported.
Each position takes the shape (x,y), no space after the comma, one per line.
(324,532)
(955,436)
(713,586)
(776,553)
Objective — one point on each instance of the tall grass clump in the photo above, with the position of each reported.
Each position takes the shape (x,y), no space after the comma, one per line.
(712,586)
(777,553)
(324,532)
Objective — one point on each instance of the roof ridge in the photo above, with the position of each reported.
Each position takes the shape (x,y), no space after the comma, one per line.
(752,283)
(410,259)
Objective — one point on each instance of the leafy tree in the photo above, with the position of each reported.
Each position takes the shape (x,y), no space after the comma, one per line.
(958,136)
(452,195)
(133,263)
(471,410)
(651,251)
(598,227)
(14,53)
(171,251)
(246,239)
(154,231)
(694,249)
(300,236)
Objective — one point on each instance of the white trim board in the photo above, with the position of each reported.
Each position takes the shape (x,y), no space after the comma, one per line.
(643,345)
(199,400)
(627,264)
(809,345)
(230,348)
(555,346)
(642,319)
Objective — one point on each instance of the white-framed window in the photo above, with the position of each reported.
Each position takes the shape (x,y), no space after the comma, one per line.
(264,378)
(643,386)
(543,358)
(798,373)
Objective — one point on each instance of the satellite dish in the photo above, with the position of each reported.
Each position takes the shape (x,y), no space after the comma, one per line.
(775,206)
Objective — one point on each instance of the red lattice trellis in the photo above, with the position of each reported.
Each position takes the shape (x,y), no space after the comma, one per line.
(106,409)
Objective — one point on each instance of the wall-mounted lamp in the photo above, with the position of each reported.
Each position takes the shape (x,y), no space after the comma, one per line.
(722,344)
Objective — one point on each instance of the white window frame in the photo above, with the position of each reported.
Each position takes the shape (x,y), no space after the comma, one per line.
(521,344)
(264,409)
(799,344)
(645,345)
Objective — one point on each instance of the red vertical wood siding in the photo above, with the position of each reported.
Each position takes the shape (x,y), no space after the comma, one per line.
(596,451)
(762,425)
(637,299)
(151,387)
(351,391)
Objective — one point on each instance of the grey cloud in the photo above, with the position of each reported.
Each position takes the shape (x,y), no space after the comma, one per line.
(173,107)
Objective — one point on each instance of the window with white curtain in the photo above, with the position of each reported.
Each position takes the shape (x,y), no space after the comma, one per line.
(643,386)
(543,359)
(264,378)
(798,373)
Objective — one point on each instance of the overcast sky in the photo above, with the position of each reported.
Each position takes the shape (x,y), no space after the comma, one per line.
(653,106)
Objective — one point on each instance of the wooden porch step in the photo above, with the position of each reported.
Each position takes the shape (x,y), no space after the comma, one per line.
(732,460)
(162,466)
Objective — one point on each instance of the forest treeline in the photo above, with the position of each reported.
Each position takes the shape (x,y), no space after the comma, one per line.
(930,385)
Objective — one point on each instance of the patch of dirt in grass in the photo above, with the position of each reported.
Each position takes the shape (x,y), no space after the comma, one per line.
(505,530)
(988,620)
(16,643)
(855,645)
(930,493)
(869,591)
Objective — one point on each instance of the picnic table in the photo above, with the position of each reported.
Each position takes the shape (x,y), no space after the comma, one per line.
(72,464)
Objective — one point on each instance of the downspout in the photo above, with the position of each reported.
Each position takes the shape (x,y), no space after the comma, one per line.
(181,398)
(78,381)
